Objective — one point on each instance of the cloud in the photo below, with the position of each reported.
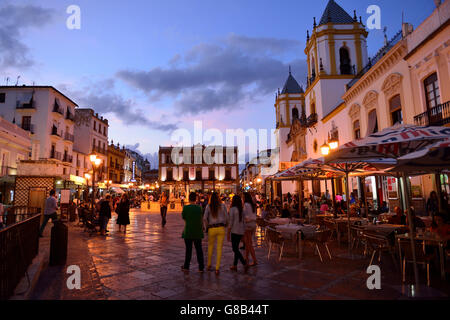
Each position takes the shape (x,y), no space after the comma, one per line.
(101,97)
(14,20)
(223,75)
(151,157)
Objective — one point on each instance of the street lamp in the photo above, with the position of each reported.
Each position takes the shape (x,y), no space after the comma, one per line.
(334,144)
(108,182)
(325,149)
(96,162)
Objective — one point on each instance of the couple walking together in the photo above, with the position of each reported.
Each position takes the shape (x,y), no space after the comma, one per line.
(239,224)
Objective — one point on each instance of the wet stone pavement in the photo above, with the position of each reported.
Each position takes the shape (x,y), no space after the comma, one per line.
(145,264)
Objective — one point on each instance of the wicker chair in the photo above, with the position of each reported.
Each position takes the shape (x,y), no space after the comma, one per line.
(275,238)
(421,257)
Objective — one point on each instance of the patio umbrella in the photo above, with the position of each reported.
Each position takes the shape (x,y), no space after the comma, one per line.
(393,142)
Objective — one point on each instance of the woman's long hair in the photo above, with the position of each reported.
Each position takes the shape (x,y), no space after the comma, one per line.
(237,203)
(248,199)
(214,204)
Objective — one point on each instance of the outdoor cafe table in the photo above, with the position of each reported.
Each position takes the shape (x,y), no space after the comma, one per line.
(353,220)
(431,239)
(293,230)
(387,230)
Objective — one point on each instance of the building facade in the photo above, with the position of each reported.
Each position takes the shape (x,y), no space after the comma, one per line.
(198,168)
(15,146)
(116,162)
(350,95)
(91,131)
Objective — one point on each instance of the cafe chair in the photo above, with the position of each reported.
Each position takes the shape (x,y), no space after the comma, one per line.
(262,224)
(378,244)
(421,257)
(357,234)
(275,238)
(330,225)
(321,237)
(342,231)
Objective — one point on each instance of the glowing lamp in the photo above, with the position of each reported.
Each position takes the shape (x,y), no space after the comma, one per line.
(334,144)
(325,149)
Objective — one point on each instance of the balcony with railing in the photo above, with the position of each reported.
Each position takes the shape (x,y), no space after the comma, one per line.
(55,155)
(26,106)
(437,116)
(69,137)
(372,61)
(98,150)
(67,158)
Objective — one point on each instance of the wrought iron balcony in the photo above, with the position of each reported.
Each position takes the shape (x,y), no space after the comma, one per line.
(69,137)
(55,155)
(67,158)
(437,116)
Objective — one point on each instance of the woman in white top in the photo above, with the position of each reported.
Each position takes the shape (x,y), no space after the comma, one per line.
(250,227)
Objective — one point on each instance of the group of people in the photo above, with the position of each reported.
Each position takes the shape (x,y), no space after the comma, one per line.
(236,224)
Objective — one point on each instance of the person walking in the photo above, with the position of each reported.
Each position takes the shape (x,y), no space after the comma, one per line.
(193,232)
(123,213)
(51,206)
(236,231)
(105,213)
(164,202)
(216,220)
(250,227)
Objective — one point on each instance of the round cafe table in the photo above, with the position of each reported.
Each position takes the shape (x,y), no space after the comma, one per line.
(296,230)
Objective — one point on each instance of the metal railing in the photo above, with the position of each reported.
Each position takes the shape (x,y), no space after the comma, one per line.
(69,137)
(25,106)
(380,54)
(99,150)
(437,116)
(55,155)
(67,158)
(19,244)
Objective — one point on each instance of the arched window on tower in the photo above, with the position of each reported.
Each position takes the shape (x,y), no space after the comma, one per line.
(313,108)
(295,114)
(313,68)
(344,56)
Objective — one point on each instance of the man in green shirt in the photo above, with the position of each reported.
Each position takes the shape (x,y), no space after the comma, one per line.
(193,232)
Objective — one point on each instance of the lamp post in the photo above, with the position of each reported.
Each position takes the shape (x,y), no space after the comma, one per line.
(96,162)
(88,177)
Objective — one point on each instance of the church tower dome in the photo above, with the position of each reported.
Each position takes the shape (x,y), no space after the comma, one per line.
(337,45)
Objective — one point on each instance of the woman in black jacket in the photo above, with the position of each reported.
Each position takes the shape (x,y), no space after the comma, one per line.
(105,213)
(123,211)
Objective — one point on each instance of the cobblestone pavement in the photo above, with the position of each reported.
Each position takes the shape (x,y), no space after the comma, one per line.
(144,264)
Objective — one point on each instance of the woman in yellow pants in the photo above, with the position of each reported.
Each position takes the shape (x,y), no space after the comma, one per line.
(216,221)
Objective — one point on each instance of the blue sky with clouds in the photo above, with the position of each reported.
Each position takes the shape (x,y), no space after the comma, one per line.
(153,66)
